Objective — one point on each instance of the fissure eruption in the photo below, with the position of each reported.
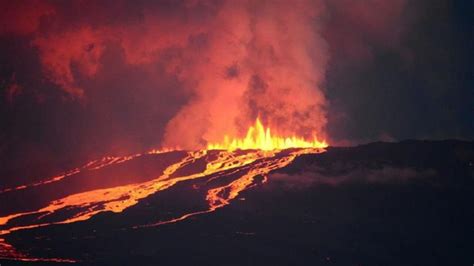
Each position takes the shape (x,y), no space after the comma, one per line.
(237,63)
(231,167)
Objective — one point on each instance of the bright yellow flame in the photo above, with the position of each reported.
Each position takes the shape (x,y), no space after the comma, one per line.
(260,138)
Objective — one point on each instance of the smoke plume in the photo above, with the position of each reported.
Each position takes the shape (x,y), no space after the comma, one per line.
(255,58)
(90,78)
(235,60)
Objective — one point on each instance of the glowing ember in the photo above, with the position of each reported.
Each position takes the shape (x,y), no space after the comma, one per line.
(260,138)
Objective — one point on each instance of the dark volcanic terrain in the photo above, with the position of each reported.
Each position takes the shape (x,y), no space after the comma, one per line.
(407,203)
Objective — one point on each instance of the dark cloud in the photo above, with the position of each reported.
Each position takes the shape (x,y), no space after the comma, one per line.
(413,84)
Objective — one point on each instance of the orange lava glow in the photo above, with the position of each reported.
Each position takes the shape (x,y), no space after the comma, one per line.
(227,173)
(259,137)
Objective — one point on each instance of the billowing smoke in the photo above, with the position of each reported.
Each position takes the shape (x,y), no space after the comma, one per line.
(236,59)
(95,77)
(255,58)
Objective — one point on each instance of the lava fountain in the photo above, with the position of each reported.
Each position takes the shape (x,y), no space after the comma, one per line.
(260,137)
(232,166)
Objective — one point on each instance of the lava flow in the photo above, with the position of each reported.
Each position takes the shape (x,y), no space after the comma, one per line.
(219,174)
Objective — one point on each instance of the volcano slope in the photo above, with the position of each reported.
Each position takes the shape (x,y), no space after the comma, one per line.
(407,203)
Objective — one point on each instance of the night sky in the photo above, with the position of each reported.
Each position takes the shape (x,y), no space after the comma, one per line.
(82,79)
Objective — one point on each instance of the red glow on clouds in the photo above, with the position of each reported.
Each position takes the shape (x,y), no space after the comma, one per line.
(23,17)
(60,53)
(13,89)
(232,60)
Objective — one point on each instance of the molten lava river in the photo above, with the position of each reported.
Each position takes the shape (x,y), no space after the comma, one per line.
(217,174)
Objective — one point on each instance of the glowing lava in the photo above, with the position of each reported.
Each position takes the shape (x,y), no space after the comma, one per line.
(222,172)
(260,137)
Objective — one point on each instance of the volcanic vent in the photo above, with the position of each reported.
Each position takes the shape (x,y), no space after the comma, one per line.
(217,175)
